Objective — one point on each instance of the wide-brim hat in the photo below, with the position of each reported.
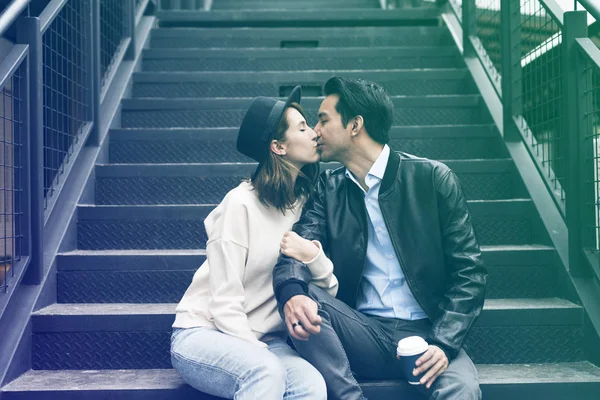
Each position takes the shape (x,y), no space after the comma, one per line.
(260,124)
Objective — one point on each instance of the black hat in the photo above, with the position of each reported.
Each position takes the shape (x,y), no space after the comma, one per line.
(261,121)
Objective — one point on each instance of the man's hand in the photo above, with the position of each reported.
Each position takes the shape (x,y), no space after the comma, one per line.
(434,361)
(303,250)
(301,317)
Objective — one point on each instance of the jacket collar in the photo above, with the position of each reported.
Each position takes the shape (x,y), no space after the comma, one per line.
(391,171)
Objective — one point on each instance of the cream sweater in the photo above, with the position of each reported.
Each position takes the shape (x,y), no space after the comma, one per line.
(233,291)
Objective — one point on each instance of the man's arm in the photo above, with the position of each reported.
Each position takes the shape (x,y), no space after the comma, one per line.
(290,276)
(465,273)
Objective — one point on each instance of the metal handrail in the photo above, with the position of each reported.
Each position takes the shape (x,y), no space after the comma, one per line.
(50,13)
(592,7)
(11,13)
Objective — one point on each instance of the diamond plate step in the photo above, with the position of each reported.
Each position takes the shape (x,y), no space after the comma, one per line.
(299,38)
(70,336)
(218,145)
(212,113)
(133,184)
(574,381)
(306,18)
(300,59)
(497,222)
(132,276)
(249,84)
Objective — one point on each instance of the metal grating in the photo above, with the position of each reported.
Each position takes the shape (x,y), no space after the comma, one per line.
(542,97)
(12,201)
(66,86)
(113,31)
(592,158)
(487,42)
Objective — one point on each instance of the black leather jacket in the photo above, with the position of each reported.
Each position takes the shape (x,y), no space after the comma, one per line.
(426,214)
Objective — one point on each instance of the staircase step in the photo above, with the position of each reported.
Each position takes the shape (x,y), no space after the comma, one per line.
(497,222)
(556,381)
(292,5)
(300,38)
(162,276)
(212,113)
(306,18)
(401,82)
(133,184)
(300,59)
(69,336)
(520,271)
(218,145)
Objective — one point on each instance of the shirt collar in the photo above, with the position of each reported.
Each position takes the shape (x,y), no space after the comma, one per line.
(377,170)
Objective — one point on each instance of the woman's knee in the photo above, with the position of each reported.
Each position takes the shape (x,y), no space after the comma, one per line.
(267,377)
(312,387)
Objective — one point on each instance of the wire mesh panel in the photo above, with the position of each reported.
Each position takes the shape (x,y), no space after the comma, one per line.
(487,42)
(592,161)
(12,201)
(65,89)
(113,32)
(542,91)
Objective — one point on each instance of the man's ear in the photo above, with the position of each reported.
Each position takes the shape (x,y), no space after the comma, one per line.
(278,148)
(357,124)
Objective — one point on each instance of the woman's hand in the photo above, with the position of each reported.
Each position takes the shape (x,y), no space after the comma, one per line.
(297,247)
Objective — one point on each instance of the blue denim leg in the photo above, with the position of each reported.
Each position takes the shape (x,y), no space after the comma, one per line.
(225,366)
(303,381)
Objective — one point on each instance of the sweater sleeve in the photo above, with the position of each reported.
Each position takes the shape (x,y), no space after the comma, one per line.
(227,252)
(321,269)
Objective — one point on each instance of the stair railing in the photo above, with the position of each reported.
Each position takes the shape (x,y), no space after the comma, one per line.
(53,84)
(15,162)
(546,73)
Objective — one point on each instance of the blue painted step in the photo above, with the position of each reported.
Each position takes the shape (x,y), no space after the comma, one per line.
(299,37)
(573,381)
(123,336)
(210,113)
(162,276)
(293,5)
(248,84)
(497,222)
(208,183)
(298,59)
(206,145)
(307,18)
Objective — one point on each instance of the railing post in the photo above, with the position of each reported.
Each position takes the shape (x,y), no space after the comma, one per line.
(29,32)
(469,26)
(512,81)
(575,26)
(130,16)
(96,79)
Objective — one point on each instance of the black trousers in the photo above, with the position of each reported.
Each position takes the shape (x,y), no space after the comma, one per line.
(351,341)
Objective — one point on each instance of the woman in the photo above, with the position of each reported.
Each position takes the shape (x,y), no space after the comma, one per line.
(229,339)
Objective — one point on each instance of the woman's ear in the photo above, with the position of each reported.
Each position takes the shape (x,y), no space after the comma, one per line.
(278,148)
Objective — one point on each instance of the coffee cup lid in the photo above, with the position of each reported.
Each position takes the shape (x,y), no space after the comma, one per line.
(412,345)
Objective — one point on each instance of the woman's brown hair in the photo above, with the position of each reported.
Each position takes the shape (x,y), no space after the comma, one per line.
(272,179)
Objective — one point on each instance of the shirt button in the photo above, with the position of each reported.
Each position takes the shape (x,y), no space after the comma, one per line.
(390,256)
(396,282)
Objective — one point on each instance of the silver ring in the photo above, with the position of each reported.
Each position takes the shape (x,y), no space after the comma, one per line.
(295,324)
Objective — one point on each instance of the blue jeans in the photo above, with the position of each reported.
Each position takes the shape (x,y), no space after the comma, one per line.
(224,366)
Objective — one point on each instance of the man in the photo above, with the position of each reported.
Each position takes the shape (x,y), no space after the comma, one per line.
(398,231)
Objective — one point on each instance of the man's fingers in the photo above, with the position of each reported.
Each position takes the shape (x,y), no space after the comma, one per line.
(308,325)
(301,332)
(434,372)
(426,365)
(425,357)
